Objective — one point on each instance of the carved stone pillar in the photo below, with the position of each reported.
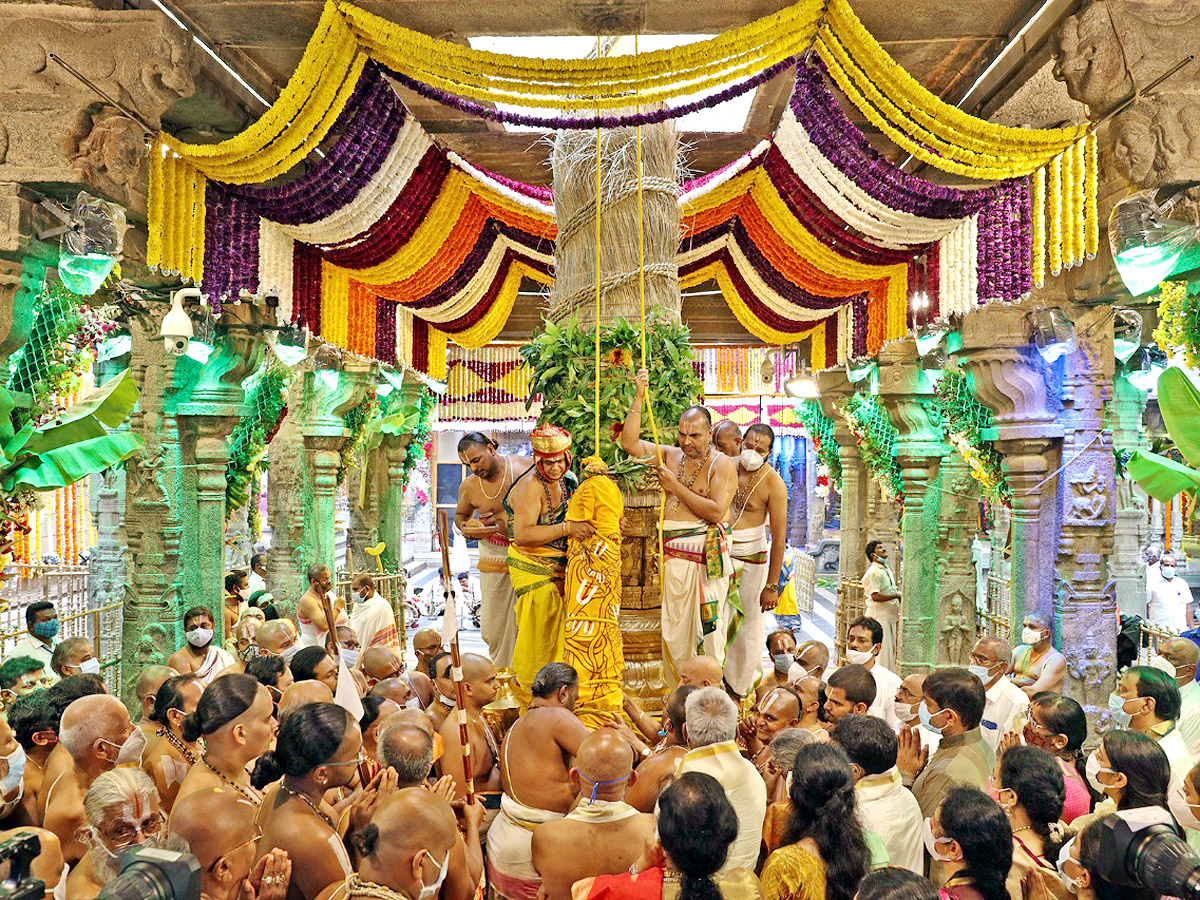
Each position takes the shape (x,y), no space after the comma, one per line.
(1131,528)
(1009,377)
(286,561)
(835,388)
(206,419)
(1086,594)
(907,392)
(392,453)
(958,517)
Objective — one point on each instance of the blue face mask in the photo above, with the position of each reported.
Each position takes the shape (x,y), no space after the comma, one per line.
(926,718)
(46,629)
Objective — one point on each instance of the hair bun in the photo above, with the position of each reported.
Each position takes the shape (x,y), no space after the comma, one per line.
(189,727)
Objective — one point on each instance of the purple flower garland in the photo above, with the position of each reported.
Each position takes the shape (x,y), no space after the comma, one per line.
(230,245)
(554,123)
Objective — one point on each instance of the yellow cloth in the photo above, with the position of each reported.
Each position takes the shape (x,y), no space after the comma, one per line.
(537,579)
(792,873)
(592,642)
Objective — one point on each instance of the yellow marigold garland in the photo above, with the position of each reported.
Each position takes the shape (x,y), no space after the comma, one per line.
(1054,206)
(1068,208)
(1091,227)
(1037,208)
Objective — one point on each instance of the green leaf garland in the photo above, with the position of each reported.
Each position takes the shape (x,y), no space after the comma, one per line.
(821,429)
(965,418)
(876,437)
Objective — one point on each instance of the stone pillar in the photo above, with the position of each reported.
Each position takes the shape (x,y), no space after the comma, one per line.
(1086,594)
(883,521)
(285,562)
(835,387)
(1131,529)
(907,392)
(958,517)
(1009,377)
(392,453)
(206,419)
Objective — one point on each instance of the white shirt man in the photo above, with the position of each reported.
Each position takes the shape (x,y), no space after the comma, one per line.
(1178,658)
(990,659)
(710,726)
(882,601)
(864,645)
(1169,599)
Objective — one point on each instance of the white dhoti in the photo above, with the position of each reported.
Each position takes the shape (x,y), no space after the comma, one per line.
(497,619)
(888,615)
(744,655)
(695,577)
(510,868)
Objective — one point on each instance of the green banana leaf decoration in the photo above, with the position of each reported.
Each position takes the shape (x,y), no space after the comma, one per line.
(71,447)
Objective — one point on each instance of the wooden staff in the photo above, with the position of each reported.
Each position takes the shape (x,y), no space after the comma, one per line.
(460,690)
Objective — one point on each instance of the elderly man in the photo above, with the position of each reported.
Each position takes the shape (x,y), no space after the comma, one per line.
(220,830)
(380,664)
(94,732)
(778,758)
(990,661)
(408,850)
(74,656)
(537,557)
(711,727)
(199,656)
(811,659)
(777,710)
(1168,598)
(603,835)
(1178,657)
(1036,665)
(701,671)
(727,438)
(908,702)
(761,496)
(373,619)
(699,487)
(536,779)
(481,516)
(315,626)
(657,769)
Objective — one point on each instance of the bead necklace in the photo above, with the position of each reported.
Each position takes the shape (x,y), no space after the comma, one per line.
(688,482)
(742,495)
(503,480)
(249,793)
(550,506)
(184,750)
(316,809)
(359,887)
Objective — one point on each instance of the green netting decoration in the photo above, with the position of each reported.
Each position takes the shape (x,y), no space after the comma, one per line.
(965,418)
(563,361)
(876,438)
(253,433)
(426,403)
(820,428)
(357,420)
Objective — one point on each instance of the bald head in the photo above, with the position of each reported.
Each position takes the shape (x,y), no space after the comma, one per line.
(410,834)
(809,689)
(728,437)
(1183,654)
(409,750)
(603,756)
(379,663)
(701,671)
(273,636)
(93,728)
(147,685)
(301,692)
(395,689)
(213,821)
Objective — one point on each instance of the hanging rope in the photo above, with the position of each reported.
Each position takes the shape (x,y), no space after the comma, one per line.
(596,323)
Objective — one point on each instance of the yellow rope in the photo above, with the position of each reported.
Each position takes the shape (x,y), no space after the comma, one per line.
(596,324)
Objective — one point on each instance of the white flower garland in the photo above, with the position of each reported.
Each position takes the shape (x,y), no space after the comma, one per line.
(275,251)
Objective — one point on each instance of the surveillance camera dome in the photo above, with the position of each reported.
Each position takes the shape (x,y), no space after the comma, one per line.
(175,344)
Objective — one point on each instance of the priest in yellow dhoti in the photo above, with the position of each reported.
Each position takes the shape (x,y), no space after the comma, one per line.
(537,557)
(592,636)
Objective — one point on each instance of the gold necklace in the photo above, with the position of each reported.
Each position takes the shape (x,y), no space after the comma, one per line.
(503,480)
(249,793)
(179,745)
(360,887)
(742,495)
(687,483)
(316,809)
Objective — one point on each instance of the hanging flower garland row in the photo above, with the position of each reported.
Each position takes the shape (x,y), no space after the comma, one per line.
(821,429)
(486,385)
(965,418)
(876,438)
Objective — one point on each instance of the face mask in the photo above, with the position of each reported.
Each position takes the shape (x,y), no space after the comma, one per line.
(783,661)
(1184,812)
(199,637)
(859,657)
(927,717)
(931,843)
(46,630)
(983,673)
(1092,769)
(1116,709)
(130,753)
(431,890)
(413,703)
(244,593)
(1030,636)
(1063,855)
(1168,572)
(350,656)
(1031,737)
(251,652)
(16,771)
(750,460)
(287,653)
(1164,665)
(90,667)
(906,712)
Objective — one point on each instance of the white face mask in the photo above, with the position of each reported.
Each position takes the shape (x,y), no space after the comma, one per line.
(287,653)
(244,593)
(859,657)
(983,673)
(16,771)
(1184,812)
(431,890)
(1164,665)
(199,637)
(1030,636)
(931,843)
(906,712)
(1063,855)
(350,656)
(1092,769)
(750,460)
(90,667)
(1168,572)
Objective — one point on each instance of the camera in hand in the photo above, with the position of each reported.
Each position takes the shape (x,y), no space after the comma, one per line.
(148,873)
(19,853)
(1142,848)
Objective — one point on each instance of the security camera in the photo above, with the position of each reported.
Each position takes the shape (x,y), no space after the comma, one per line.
(177,327)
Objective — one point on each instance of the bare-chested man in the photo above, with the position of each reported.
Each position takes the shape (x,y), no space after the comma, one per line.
(777,710)
(480,515)
(811,703)
(701,671)
(728,438)
(443,684)
(93,731)
(812,658)
(699,485)
(146,687)
(761,494)
(310,612)
(781,647)
(603,835)
(479,680)
(199,655)
(535,763)
(656,770)
(168,757)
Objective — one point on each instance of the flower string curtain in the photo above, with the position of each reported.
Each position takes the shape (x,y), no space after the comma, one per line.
(486,388)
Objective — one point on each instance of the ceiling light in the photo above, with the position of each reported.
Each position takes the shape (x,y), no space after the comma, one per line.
(802,385)
(1145,244)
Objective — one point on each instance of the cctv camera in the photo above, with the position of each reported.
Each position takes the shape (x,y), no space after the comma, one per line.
(175,344)
(177,325)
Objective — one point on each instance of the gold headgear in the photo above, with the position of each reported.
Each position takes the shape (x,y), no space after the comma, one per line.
(549,440)
(594,465)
